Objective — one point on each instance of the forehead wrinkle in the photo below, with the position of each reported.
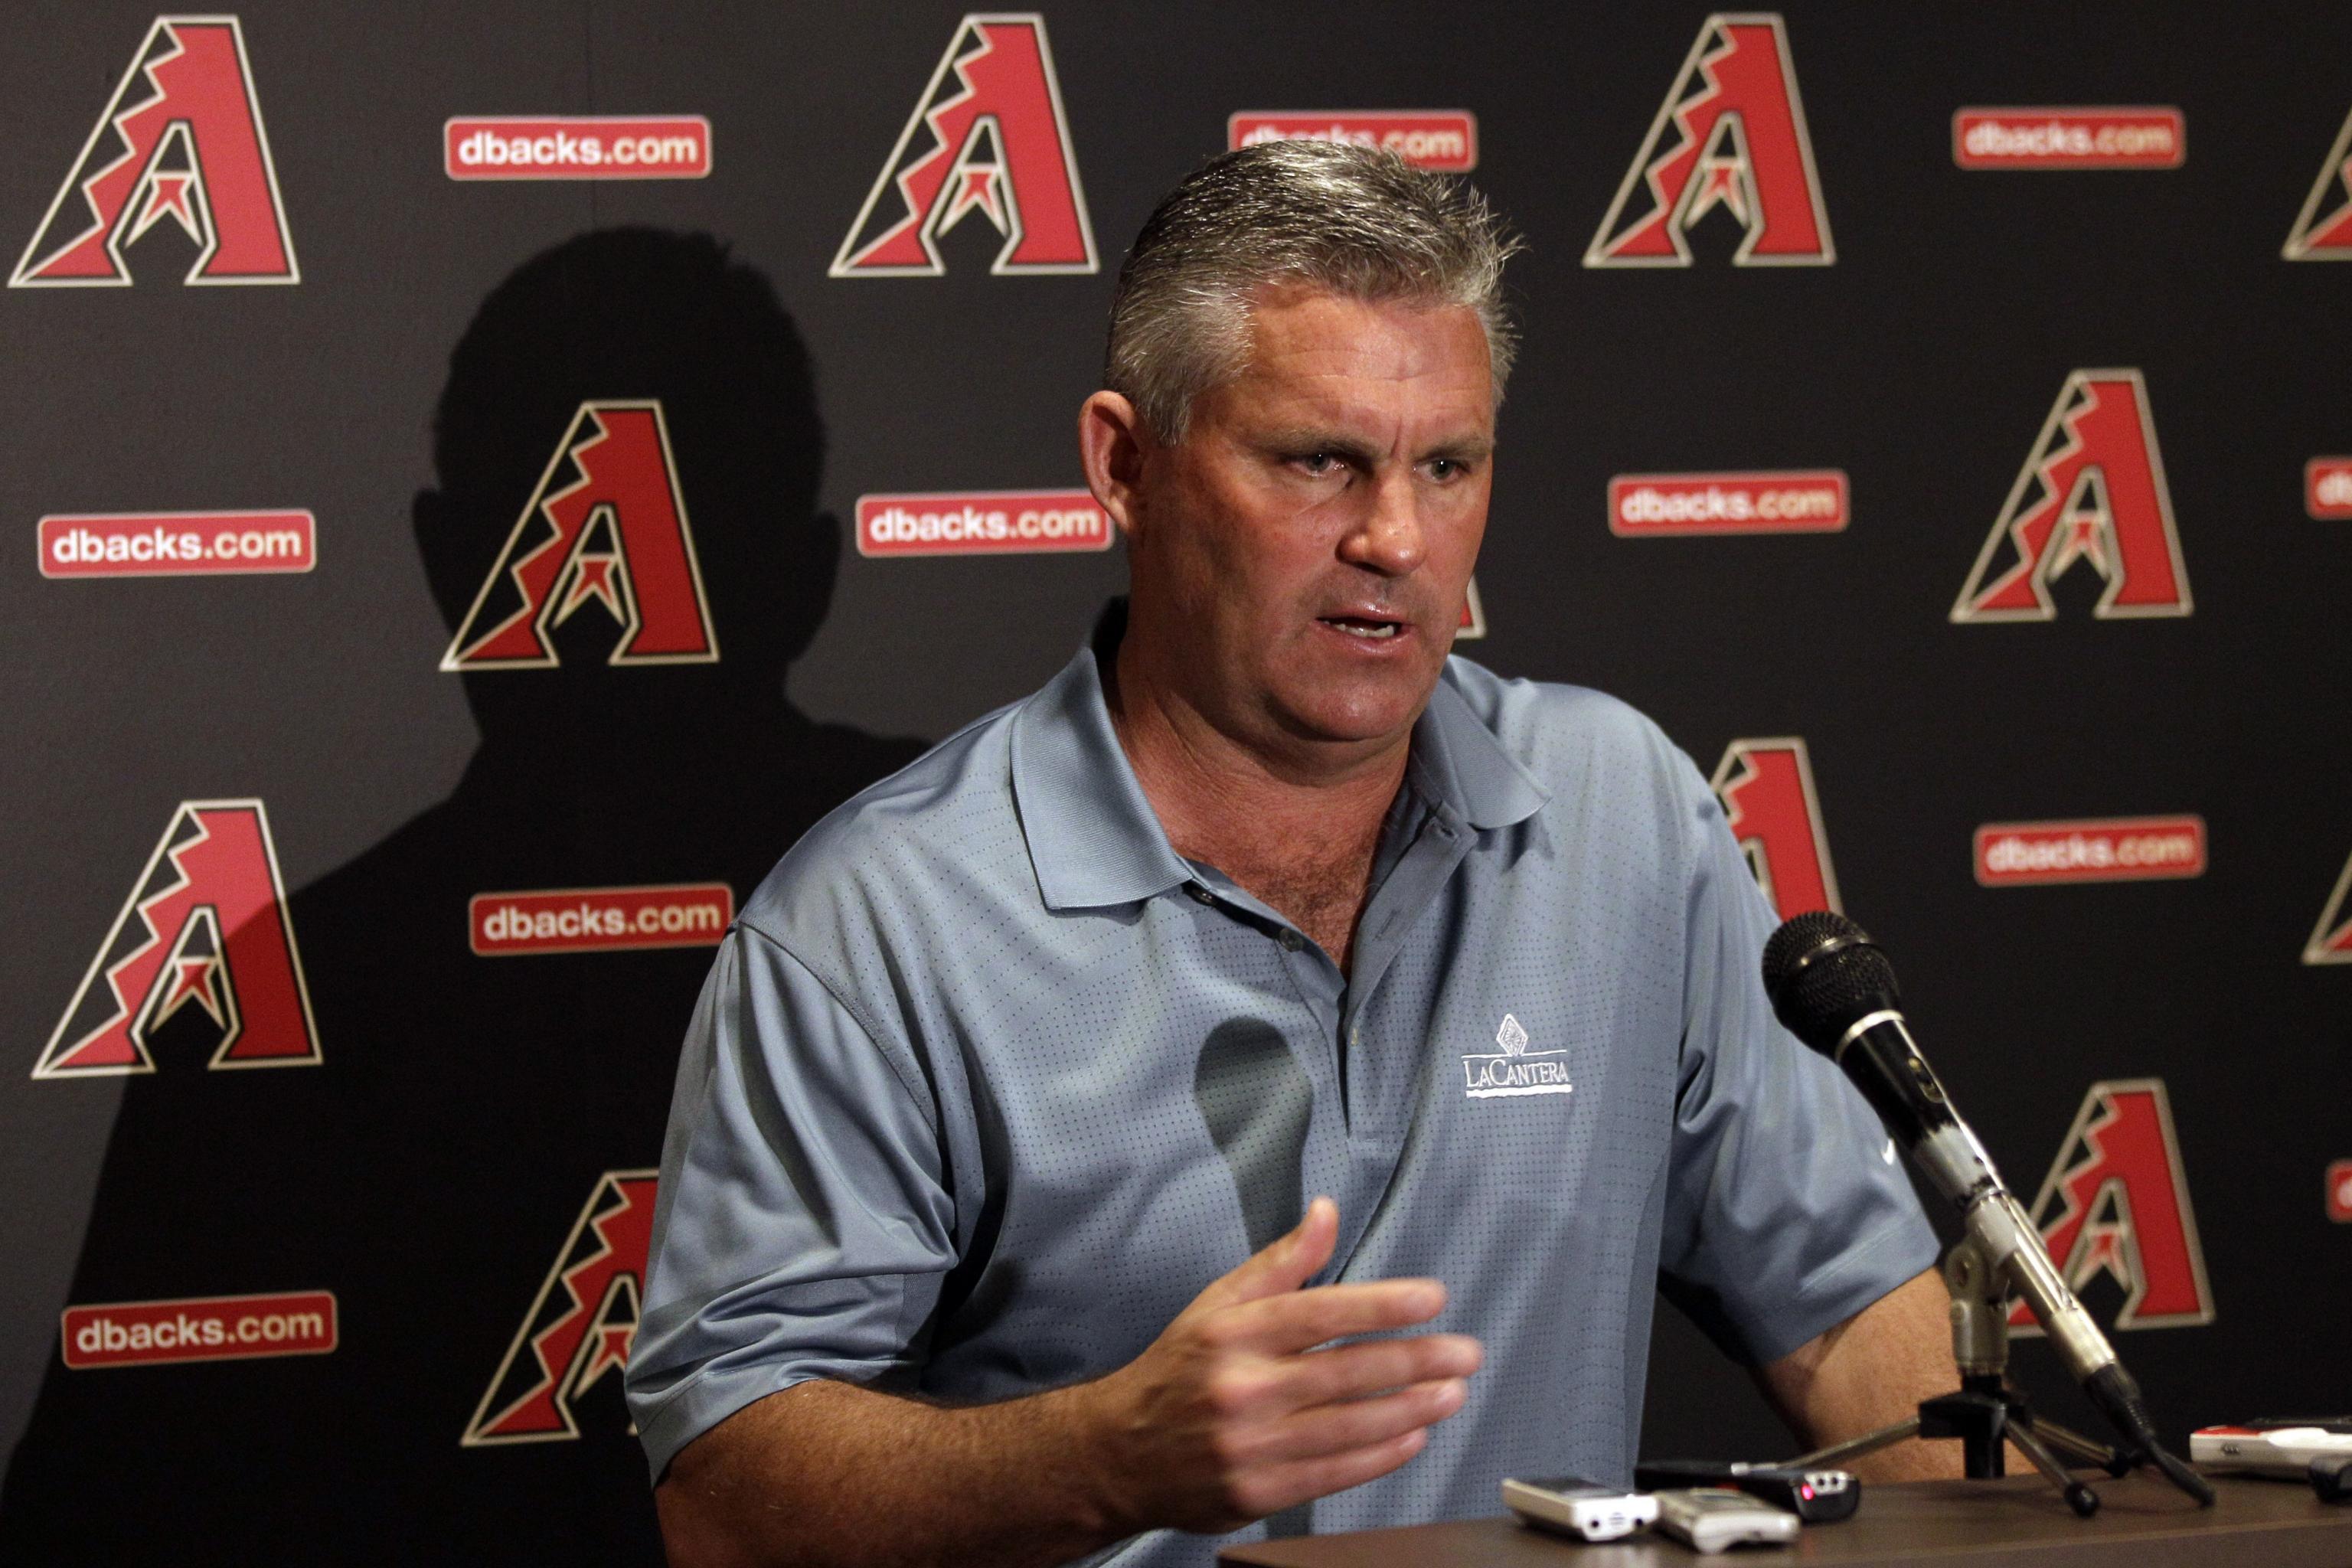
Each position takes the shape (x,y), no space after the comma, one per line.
(1380,374)
(1331,413)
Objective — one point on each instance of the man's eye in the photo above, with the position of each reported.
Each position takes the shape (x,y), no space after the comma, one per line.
(1447,467)
(1317,463)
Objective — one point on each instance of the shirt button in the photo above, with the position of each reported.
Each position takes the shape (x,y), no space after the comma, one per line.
(1199,894)
(1291,940)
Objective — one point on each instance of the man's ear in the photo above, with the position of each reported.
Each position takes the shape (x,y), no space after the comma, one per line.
(1113,445)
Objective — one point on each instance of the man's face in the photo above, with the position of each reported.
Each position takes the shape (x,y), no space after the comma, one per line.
(1309,541)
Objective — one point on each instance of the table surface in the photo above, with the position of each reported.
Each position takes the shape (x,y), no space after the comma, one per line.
(2019,1520)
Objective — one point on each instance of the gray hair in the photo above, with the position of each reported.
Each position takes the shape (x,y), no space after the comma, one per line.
(1356,222)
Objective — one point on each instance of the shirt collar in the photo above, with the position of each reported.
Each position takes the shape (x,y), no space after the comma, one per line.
(1458,763)
(1093,837)
(1095,841)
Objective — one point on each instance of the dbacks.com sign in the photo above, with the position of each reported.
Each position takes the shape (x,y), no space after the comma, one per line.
(605,526)
(599,920)
(988,136)
(2109,850)
(1730,135)
(981,523)
(576,147)
(2068,139)
(2327,489)
(176,543)
(1785,501)
(1445,140)
(199,1327)
(181,140)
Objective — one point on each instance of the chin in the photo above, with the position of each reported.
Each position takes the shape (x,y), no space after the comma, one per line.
(1355,716)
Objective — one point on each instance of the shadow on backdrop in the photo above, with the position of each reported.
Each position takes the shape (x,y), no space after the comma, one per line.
(430,1171)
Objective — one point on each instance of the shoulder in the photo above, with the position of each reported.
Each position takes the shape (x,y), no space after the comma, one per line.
(942,828)
(1570,737)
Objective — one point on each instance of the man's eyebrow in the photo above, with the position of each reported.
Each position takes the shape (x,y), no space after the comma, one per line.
(1467,447)
(1463,448)
(1303,438)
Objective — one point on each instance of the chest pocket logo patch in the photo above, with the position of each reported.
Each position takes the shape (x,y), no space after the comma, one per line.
(1515,1070)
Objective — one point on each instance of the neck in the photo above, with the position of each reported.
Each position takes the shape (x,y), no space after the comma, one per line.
(1208,784)
(1297,825)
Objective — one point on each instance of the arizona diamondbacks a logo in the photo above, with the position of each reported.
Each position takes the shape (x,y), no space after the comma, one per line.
(1515,1070)
(2092,492)
(1731,133)
(581,1323)
(1767,790)
(2323,230)
(615,536)
(205,928)
(2331,939)
(2116,1203)
(988,136)
(1474,614)
(181,139)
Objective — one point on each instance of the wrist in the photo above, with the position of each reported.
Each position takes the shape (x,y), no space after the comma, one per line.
(1105,1498)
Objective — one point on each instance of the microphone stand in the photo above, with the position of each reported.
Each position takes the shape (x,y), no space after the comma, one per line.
(1985,1411)
(1834,989)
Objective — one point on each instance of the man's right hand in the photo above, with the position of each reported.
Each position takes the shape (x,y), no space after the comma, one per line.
(1233,1413)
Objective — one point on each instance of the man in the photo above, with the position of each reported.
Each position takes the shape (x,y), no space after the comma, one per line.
(1005,1089)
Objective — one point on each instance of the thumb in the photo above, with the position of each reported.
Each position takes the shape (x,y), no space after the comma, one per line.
(1284,1264)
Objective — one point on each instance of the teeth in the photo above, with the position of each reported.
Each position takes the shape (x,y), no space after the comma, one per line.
(1385,629)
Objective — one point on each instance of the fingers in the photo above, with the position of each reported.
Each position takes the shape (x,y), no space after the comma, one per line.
(1328,1430)
(1284,1264)
(1285,1484)
(1263,1389)
(1302,1319)
(1233,1413)
(1351,1372)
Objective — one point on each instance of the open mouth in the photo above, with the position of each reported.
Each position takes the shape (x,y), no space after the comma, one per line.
(1367,627)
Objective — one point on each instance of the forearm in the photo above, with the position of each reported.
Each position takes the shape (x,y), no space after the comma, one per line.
(826,1473)
(1870,1372)
(1241,1408)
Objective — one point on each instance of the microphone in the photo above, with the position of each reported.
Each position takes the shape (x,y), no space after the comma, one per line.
(1834,989)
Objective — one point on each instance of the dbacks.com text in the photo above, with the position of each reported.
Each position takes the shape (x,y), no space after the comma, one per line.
(2068,139)
(1440,139)
(2119,850)
(581,147)
(590,919)
(1790,502)
(176,543)
(219,1328)
(981,523)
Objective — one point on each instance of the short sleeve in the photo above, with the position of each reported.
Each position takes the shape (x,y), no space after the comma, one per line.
(804,1224)
(1786,1209)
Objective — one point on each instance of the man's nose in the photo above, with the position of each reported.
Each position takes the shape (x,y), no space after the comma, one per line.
(1388,539)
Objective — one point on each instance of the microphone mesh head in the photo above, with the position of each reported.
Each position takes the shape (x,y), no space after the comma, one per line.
(1823,971)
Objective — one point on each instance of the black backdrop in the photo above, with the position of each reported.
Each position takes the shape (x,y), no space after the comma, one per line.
(466,1113)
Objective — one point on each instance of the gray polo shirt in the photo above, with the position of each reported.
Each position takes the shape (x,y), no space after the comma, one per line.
(988,1082)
